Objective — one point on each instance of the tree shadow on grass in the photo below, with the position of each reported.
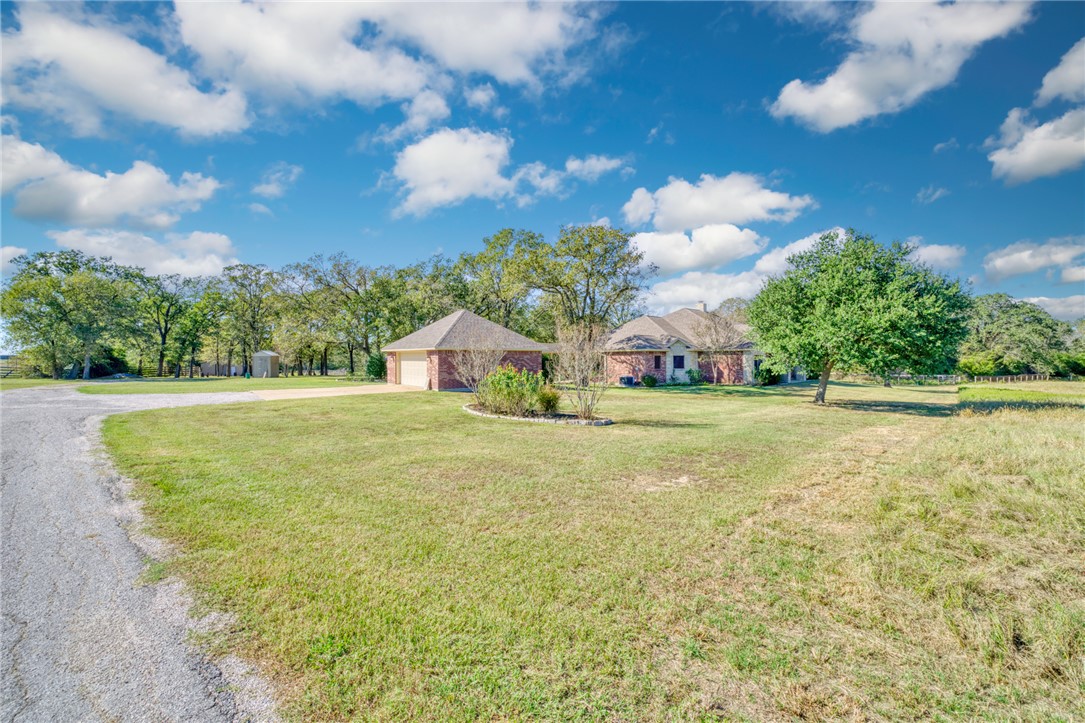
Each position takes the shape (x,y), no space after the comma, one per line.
(662,424)
(949,410)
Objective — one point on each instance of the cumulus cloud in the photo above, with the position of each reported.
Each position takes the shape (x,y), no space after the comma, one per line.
(941,257)
(516,43)
(1026,150)
(277,179)
(592,167)
(707,247)
(451,165)
(194,254)
(1073,275)
(78,68)
(1067,308)
(930,194)
(260,209)
(775,261)
(1067,79)
(712,288)
(7,253)
(47,188)
(1025,257)
(903,51)
(735,198)
(950,145)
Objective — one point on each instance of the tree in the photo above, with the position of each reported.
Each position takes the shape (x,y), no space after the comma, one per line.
(851,303)
(476,362)
(249,289)
(1010,336)
(721,333)
(163,301)
(593,274)
(34,316)
(581,366)
(496,278)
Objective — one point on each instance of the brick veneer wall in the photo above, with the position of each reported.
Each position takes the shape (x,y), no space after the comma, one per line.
(728,368)
(390,367)
(636,364)
(443,374)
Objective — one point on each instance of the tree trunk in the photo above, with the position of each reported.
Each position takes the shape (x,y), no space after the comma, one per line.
(161,360)
(324,363)
(86,365)
(350,353)
(886,381)
(823,383)
(230,363)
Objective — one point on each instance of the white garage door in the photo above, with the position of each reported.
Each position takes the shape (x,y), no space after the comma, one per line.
(414,370)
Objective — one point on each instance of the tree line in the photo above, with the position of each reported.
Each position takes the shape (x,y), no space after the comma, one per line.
(849,304)
(65,308)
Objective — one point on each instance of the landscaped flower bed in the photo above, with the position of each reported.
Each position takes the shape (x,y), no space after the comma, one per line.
(547,417)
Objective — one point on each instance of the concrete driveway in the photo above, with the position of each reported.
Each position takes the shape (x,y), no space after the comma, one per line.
(84,636)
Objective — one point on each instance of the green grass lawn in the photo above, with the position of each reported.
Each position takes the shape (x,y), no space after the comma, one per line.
(211,384)
(730,553)
(21,383)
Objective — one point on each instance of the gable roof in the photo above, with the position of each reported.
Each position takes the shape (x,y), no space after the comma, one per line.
(655,333)
(464,330)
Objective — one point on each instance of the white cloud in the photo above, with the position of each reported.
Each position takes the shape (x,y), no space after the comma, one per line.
(1067,308)
(47,188)
(775,261)
(277,179)
(1025,257)
(480,96)
(904,51)
(950,145)
(516,43)
(706,248)
(260,209)
(694,286)
(592,167)
(735,198)
(930,194)
(7,253)
(1025,150)
(1073,275)
(195,254)
(449,166)
(601,221)
(942,257)
(1067,79)
(298,52)
(78,68)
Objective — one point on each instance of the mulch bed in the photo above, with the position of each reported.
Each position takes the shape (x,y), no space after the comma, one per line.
(554,418)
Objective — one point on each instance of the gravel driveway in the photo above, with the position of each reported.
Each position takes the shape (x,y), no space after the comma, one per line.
(84,637)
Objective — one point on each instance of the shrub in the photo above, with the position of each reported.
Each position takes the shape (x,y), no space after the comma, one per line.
(649,380)
(984,364)
(376,367)
(549,399)
(508,390)
(695,376)
(1068,363)
(765,377)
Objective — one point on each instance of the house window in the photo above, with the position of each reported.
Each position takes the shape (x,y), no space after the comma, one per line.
(658,361)
(679,362)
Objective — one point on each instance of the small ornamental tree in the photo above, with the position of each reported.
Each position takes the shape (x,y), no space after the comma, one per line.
(581,366)
(719,334)
(853,304)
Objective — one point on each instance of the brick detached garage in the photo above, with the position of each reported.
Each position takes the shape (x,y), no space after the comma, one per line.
(426,358)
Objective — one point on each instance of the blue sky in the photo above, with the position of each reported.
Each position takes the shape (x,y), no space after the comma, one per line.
(724,135)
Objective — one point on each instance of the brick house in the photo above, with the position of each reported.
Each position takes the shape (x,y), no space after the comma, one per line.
(426,358)
(666,347)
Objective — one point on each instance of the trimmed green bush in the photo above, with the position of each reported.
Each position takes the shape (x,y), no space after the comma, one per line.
(649,380)
(695,376)
(376,367)
(549,399)
(765,377)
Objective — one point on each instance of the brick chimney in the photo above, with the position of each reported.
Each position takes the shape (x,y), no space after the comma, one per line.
(702,306)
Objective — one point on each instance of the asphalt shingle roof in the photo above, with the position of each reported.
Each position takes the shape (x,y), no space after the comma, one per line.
(652,333)
(464,330)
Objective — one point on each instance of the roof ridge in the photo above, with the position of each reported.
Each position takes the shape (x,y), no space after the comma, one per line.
(458,313)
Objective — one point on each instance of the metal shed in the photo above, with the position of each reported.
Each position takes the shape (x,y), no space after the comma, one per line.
(265,364)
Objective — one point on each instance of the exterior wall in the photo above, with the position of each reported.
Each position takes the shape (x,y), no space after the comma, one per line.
(390,368)
(635,364)
(442,367)
(679,349)
(729,368)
